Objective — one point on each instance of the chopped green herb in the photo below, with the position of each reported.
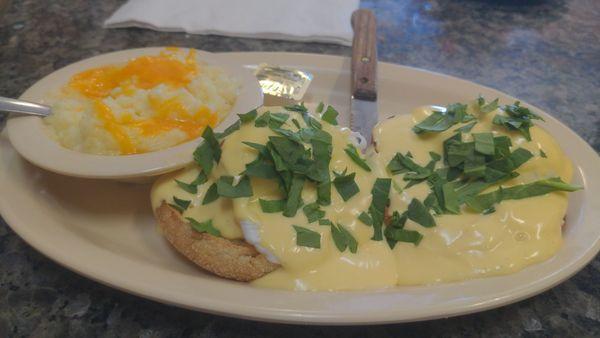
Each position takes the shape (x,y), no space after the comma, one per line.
(188,187)
(225,187)
(200,179)
(418,213)
(261,168)
(262,149)
(435,156)
(343,239)
(466,128)
(296,123)
(300,108)
(313,212)
(482,107)
(208,151)
(402,164)
(330,116)
(211,194)
(439,121)
(324,221)
(263,120)
(483,202)
(183,204)
(484,143)
(320,108)
(365,218)
(511,162)
(176,207)
(204,227)
(324,193)
(273,206)
(451,203)
(517,118)
(397,187)
(543,154)
(345,185)
(394,235)
(249,116)
(355,156)
(232,128)
(308,238)
(294,198)
(380,201)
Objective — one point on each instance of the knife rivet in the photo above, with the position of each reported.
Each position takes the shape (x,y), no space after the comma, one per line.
(365,59)
(364,80)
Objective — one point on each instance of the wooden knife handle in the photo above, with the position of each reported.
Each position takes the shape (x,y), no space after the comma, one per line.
(364,55)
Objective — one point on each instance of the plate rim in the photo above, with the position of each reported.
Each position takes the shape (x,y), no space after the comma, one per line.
(274,316)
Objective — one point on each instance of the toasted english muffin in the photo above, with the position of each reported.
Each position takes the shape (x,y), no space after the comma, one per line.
(232,259)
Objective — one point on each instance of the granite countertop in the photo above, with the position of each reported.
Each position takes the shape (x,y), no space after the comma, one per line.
(545,51)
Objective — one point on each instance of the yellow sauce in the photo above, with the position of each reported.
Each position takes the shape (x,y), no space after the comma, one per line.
(459,247)
(145,72)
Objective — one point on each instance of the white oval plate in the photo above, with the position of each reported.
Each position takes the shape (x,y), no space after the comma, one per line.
(105,230)
(31,139)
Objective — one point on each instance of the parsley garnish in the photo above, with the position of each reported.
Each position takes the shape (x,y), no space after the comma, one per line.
(307,237)
(380,200)
(345,185)
(270,207)
(482,107)
(204,227)
(394,235)
(180,205)
(225,187)
(261,168)
(294,197)
(249,116)
(300,108)
(188,187)
(517,118)
(355,156)
(484,143)
(395,232)
(439,121)
(365,218)
(343,239)
(313,212)
(324,221)
(232,128)
(543,154)
(320,108)
(330,116)
(418,213)
(208,151)
(484,202)
(466,128)
(211,194)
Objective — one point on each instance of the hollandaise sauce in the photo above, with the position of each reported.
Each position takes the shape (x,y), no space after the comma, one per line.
(443,195)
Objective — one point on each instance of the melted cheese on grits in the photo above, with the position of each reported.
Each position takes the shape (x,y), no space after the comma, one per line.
(145,104)
(459,247)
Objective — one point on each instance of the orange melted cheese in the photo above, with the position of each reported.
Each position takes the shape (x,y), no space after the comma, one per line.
(145,72)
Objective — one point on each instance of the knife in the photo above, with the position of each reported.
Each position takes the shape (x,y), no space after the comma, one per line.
(363,103)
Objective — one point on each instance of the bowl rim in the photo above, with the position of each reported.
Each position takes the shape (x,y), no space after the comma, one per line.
(30,137)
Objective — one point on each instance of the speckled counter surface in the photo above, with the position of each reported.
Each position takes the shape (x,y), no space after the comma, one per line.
(547,52)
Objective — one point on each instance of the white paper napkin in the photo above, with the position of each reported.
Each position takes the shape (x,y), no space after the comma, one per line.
(298,20)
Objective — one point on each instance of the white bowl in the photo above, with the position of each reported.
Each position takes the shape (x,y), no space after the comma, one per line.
(30,138)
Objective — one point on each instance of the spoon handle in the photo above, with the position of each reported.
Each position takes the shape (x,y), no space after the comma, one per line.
(23,107)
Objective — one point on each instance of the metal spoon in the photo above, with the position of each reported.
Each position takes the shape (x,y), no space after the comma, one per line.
(23,107)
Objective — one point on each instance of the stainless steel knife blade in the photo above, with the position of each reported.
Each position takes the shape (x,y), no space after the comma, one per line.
(363,117)
(363,103)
